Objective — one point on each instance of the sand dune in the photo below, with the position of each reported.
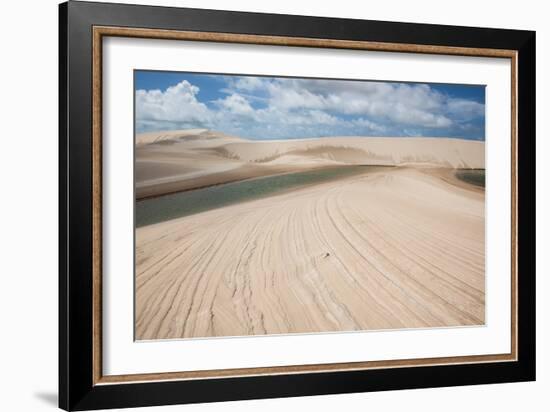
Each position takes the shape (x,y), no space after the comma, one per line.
(181,135)
(456,153)
(185,159)
(179,160)
(398,248)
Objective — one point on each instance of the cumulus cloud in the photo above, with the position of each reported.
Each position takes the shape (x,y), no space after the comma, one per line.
(404,104)
(249,83)
(366,123)
(416,105)
(463,109)
(177,104)
(262,107)
(235,104)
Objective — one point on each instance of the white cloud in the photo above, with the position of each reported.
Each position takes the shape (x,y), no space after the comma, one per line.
(464,109)
(288,98)
(416,105)
(412,105)
(249,83)
(235,104)
(177,104)
(302,117)
(367,124)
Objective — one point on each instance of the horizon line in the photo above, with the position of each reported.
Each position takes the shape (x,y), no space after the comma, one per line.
(203,130)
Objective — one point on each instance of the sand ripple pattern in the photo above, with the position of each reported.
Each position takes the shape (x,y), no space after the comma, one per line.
(393,249)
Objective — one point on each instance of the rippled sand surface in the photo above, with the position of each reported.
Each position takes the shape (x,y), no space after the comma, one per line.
(397,248)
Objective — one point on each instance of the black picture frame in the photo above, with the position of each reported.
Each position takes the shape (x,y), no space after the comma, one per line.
(77,390)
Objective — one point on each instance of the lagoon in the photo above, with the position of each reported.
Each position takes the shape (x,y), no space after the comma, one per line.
(176,205)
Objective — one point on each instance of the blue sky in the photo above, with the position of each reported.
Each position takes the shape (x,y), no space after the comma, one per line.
(257,107)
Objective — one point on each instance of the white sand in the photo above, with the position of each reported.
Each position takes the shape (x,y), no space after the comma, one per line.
(399,248)
(185,159)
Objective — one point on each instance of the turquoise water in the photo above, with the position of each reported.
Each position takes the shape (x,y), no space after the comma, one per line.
(172,206)
(474,176)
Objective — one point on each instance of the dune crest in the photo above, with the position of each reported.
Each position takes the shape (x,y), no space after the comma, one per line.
(455,153)
(185,134)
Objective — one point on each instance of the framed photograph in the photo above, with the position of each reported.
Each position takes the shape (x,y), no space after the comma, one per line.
(257,205)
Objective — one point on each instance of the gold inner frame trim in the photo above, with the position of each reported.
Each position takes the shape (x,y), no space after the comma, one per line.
(102,31)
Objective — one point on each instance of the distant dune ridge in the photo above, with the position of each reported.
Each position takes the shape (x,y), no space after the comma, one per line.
(185,159)
(394,151)
(186,134)
(387,248)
